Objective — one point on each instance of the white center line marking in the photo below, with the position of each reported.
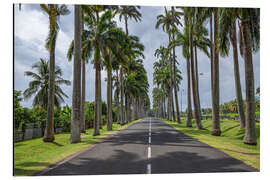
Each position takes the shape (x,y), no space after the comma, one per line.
(149,140)
(148,168)
(149,152)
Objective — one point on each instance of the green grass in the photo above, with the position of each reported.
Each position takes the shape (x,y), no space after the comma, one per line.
(230,141)
(34,155)
(257,113)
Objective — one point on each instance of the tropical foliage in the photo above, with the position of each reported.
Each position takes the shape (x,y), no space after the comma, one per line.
(39,86)
(99,39)
(213,42)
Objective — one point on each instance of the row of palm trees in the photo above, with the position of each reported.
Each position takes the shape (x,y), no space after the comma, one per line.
(97,35)
(214,41)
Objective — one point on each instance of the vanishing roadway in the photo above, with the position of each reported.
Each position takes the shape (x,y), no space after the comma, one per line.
(148,146)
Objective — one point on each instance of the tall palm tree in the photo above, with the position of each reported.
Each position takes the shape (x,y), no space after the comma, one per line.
(126,12)
(190,22)
(216,131)
(39,87)
(201,42)
(76,92)
(112,51)
(108,41)
(169,21)
(87,52)
(227,34)
(54,12)
(176,16)
(250,35)
(161,53)
(182,39)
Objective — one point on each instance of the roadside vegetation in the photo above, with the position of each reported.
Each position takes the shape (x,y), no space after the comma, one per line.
(212,31)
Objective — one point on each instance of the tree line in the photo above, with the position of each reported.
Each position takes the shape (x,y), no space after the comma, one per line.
(99,40)
(187,28)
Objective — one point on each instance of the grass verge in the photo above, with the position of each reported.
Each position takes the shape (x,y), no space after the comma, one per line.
(34,155)
(230,141)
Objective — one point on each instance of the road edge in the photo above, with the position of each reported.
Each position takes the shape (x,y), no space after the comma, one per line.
(258,169)
(70,157)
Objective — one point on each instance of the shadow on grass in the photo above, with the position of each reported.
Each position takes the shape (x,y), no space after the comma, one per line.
(245,153)
(30,164)
(56,143)
(23,172)
(18,145)
(225,130)
(26,168)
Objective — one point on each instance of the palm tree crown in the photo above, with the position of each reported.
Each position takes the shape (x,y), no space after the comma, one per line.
(39,86)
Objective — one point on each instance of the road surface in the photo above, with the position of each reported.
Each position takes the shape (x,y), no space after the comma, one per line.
(148,147)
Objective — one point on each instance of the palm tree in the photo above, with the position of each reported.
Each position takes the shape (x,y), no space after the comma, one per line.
(108,41)
(161,53)
(215,88)
(169,21)
(93,23)
(39,87)
(128,12)
(54,12)
(87,52)
(190,23)
(227,34)
(250,35)
(200,41)
(182,39)
(176,15)
(76,92)
(112,52)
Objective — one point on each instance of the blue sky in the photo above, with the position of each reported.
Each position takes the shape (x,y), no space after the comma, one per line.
(31,29)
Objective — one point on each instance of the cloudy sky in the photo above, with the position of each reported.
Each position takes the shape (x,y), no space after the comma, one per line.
(31,29)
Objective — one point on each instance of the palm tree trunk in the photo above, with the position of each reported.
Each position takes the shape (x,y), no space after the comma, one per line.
(175,89)
(76,94)
(215,131)
(250,131)
(109,100)
(118,110)
(82,124)
(197,77)
(135,108)
(164,107)
(126,24)
(170,100)
(194,85)
(212,59)
(237,77)
(49,130)
(97,118)
(132,106)
(121,96)
(126,108)
(173,113)
(98,102)
(189,108)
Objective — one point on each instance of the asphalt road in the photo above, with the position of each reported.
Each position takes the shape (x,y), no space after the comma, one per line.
(149,146)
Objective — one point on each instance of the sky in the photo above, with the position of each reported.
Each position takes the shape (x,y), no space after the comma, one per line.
(31,29)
